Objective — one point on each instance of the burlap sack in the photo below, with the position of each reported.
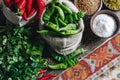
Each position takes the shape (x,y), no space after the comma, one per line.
(13,18)
(64,45)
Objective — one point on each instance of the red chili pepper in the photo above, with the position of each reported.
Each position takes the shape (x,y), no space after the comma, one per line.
(32,11)
(40,6)
(21,7)
(42,71)
(21,4)
(9,3)
(16,1)
(24,15)
(46,77)
(29,5)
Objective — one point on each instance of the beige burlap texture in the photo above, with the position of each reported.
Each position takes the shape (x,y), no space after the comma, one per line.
(64,45)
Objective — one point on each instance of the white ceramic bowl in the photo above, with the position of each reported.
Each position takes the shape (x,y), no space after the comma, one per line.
(110,13)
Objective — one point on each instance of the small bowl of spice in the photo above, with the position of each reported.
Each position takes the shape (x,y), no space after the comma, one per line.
(112,4)
(88,6)
(104,24)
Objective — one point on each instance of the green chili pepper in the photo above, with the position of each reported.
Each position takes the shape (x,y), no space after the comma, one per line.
(46,32)
(72,62)
(56,21)
(61,13)
(62,22)
(51,26)
(76,60)
(56,56)
(46,17)
(75,17)
(70,18)
(65,8)
(69,27)
(53,1)
(54,33)
(48,14)
(61,58)
(66,21)
(58,66)
(69,32)
(77,52)
(68,63)
(59,23)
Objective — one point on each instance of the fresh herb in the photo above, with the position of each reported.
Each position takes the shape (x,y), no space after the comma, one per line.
(20,54)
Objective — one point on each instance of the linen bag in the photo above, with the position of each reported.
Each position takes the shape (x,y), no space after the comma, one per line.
(64,45)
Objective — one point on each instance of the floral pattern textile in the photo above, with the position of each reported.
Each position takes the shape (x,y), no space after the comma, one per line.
(96,63)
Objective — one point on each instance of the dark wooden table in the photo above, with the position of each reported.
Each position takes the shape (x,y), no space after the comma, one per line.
(89,40)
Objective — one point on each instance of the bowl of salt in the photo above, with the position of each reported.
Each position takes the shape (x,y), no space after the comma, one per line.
(104,24)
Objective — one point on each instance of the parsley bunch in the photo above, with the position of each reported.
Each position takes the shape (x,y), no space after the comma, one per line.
(20,54)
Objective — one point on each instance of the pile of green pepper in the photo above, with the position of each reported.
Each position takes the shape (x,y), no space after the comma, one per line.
(60,20)
(65,61)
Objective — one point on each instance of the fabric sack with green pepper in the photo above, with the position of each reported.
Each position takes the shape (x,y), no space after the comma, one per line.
(61,25)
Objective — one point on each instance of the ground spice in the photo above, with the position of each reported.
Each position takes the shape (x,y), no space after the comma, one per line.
(88,6)
(104,25)
(112,4)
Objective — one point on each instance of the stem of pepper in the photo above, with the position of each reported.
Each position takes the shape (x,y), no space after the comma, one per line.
(20,11)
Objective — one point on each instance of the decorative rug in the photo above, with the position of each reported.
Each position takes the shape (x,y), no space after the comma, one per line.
(103,63)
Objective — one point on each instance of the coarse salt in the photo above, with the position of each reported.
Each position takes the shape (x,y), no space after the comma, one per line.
(104,25)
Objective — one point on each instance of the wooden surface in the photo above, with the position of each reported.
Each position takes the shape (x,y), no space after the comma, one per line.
(89,41)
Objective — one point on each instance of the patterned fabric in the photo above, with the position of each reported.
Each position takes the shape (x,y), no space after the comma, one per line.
(102,74)
(111,74)
(95,63)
